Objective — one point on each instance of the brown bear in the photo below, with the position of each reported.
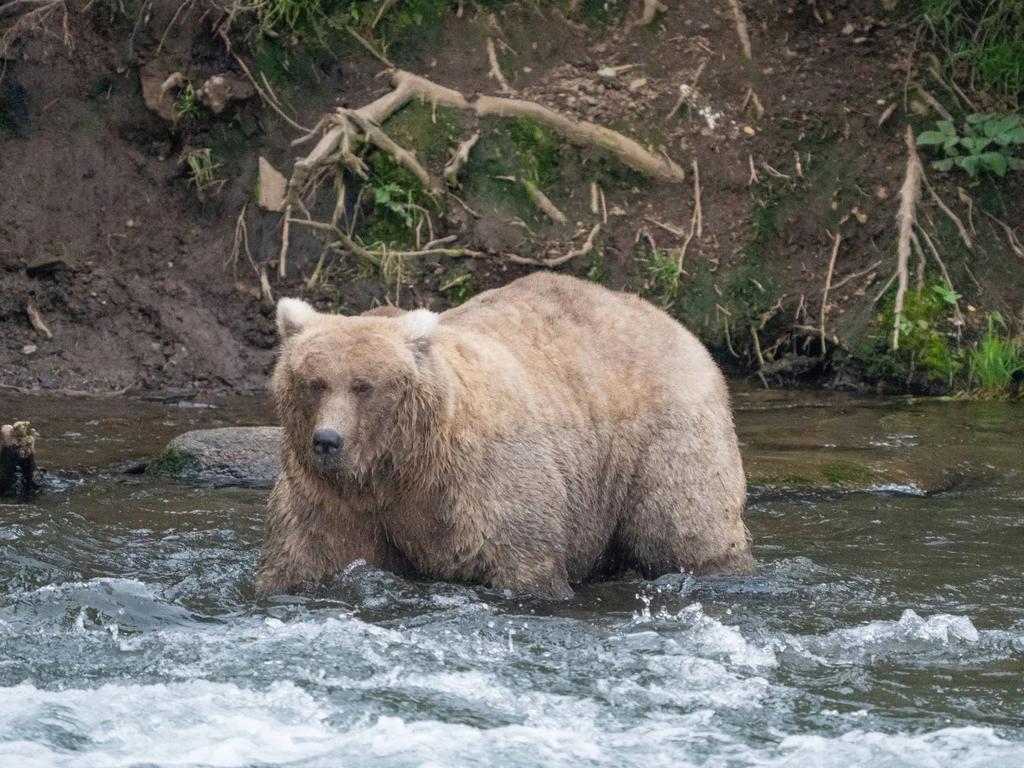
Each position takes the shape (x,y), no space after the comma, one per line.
(539,435)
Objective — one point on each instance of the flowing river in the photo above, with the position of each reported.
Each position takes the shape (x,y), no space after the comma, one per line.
(884,627)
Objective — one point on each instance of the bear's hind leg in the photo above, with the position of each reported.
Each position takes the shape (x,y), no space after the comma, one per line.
(685,510)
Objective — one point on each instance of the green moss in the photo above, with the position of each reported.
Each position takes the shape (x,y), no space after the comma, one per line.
(784,480)
(847,473)
(928,351)
(171,463)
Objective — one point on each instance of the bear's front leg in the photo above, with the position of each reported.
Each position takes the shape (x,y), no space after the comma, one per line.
(310,536)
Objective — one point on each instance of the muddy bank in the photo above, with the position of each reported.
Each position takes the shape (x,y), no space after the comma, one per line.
(132,227)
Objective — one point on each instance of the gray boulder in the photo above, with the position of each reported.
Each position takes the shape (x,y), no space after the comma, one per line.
(241,456)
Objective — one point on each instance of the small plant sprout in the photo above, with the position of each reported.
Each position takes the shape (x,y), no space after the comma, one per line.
(202,170)
(186,105)
(985,143)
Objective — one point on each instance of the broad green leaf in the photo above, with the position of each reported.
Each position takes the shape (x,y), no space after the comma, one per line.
(930,138)
(995,162)
(943,165)
(968,163)
(1013,136)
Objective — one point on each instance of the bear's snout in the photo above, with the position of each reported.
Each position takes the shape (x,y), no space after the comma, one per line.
(326,443)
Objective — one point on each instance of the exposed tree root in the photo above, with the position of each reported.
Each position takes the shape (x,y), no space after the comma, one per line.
(583,250)
(495,72)
(836,240)
(906,217)
(344,131)
(740,19)
(651,9)
(459,160)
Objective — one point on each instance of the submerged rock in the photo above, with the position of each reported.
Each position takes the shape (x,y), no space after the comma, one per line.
(242,456)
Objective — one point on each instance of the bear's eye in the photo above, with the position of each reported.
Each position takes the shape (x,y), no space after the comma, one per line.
(360,387)
(316,387)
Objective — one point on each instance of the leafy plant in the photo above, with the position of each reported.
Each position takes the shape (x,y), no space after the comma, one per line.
(997,361)
(986,142)
(395,199)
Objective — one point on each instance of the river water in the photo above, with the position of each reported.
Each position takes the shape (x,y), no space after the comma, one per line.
(884,627)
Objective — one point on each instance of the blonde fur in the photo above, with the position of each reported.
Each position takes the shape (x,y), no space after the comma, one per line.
(541,434)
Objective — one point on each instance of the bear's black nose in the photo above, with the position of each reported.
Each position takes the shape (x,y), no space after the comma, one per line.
(326,442)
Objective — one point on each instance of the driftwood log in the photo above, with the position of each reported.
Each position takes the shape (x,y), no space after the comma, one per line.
(17,457)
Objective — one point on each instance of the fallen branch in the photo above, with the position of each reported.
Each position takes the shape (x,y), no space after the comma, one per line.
(906,217)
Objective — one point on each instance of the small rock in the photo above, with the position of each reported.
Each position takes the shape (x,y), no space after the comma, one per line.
(637,84)
(158,99)
(29,349)
(273,187)
(220,90)
(848,29)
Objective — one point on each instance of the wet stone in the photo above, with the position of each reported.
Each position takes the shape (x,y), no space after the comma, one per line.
(228,456)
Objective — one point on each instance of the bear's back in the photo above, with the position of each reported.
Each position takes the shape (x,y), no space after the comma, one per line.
(587,336)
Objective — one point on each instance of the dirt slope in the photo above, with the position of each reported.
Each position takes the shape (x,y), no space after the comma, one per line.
(102,232)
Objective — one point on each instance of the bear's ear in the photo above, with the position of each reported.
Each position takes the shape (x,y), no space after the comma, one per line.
(292,316)
(420,323)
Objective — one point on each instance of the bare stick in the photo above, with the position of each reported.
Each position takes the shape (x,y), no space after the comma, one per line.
(828,285)
(370,47)
(906,217)
(265,293)
(583,250)
(698,214)
(543,202)
(740,19)
(855,275)
(495,72)
(672,230)
(282,258)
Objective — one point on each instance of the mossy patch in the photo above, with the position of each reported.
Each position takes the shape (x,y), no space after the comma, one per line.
(172,463)
(847,473)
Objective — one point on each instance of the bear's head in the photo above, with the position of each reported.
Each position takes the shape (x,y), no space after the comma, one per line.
(350,389)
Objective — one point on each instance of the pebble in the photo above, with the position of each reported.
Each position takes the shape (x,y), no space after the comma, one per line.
(28,349)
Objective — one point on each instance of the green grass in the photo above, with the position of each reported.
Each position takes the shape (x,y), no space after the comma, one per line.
(997,362)
(979,43)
